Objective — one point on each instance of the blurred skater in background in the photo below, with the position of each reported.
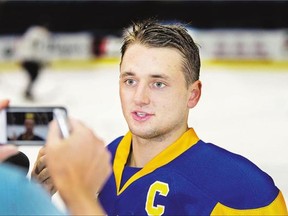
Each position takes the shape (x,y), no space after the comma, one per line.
(32,53)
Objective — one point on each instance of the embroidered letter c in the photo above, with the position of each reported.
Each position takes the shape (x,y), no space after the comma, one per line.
(163,189)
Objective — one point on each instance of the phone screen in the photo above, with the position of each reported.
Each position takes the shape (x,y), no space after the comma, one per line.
(27,125)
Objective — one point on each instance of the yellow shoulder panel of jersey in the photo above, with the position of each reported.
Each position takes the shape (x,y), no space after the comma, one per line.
(277,207)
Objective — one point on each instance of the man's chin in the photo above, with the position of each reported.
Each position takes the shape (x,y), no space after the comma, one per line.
(144,133)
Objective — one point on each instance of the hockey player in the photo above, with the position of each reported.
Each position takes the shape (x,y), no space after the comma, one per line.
(33,55)
(161,166)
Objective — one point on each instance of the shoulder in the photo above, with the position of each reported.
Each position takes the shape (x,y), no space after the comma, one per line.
(231,178)
(7,170)
(20,137)
(36,137)
(15,188)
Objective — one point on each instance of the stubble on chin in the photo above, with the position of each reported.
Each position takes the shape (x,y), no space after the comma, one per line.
(152,135)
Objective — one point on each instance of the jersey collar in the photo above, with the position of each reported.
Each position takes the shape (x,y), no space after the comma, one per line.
(187,140)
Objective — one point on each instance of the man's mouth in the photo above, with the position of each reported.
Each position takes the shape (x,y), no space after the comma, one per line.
(141,116)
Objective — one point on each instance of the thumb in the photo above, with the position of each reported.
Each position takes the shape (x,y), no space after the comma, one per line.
(4,103)
(7,151)
(53,133)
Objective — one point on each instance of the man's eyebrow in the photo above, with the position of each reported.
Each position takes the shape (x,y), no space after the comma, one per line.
(162,76)
(127,74)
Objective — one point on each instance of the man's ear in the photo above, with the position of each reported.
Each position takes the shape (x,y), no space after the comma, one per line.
(195,93)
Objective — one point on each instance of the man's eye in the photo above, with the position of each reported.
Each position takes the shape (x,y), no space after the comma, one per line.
(130,82)
(159,84)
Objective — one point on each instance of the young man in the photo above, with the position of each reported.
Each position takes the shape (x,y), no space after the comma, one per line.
(161,167)
(29,125)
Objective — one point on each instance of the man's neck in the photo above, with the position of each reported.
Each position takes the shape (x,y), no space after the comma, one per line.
(144,150)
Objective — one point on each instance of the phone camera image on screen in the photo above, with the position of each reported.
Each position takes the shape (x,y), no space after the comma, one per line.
(26,125)
(23,126)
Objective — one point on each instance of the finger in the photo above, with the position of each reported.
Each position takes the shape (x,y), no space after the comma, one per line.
(41,152)
(43,175)
(53,129)
(39,165)
(80,128)
(53,133)
(6,151)
(53,190)
(53,136)
(4,103)
(49,186)
(74,125)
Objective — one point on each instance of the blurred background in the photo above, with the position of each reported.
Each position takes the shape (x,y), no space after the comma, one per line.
(244,51)
(84,30)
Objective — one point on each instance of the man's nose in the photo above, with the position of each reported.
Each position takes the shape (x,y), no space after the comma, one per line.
(141,96)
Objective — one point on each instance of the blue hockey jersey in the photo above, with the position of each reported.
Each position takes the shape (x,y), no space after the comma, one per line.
(190,177)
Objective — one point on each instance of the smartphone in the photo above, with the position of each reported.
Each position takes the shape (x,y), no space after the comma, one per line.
(26,125)
(62,119)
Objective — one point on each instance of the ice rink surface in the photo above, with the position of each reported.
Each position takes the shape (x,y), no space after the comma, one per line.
(242,110)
